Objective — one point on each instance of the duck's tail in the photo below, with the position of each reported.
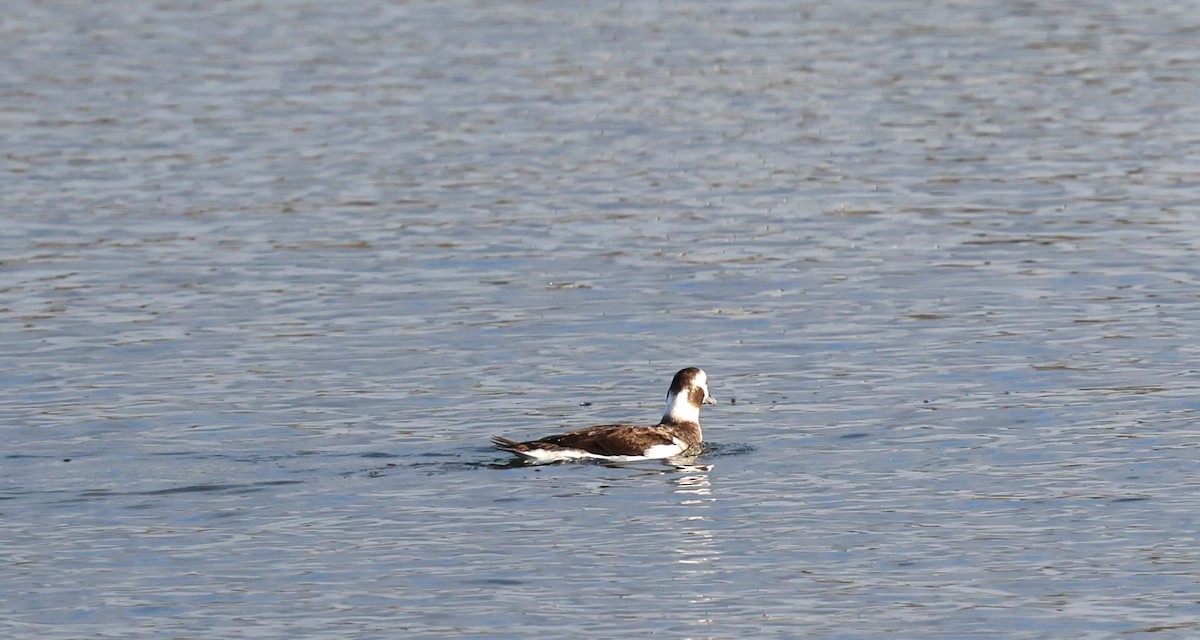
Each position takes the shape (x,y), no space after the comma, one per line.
(504,444)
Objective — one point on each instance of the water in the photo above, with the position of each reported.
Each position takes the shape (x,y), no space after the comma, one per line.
(272,273)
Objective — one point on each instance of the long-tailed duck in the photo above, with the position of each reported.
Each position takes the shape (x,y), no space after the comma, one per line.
(678,431)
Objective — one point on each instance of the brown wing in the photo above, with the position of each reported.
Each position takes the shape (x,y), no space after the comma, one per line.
(609,440)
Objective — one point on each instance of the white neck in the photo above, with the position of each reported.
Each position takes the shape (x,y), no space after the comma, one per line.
(681,409)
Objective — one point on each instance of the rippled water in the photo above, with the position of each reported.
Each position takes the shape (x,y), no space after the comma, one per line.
(272,273)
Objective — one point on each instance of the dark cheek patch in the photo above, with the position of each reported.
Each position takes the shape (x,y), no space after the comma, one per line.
(696,396)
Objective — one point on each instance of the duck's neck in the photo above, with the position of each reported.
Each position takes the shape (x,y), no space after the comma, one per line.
(680,408)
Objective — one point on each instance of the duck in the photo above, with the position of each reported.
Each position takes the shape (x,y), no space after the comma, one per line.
(677,432)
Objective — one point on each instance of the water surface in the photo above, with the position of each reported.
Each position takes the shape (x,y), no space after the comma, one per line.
(272,274)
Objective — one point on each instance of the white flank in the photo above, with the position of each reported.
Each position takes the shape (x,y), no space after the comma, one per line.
(542,456)
(663,451)
(545,456)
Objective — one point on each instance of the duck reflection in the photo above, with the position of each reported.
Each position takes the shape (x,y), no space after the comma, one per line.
(698,545)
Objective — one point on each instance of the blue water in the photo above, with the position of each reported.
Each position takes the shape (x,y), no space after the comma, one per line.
(271,274)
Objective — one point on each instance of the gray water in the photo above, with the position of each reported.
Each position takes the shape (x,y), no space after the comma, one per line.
(271,273)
